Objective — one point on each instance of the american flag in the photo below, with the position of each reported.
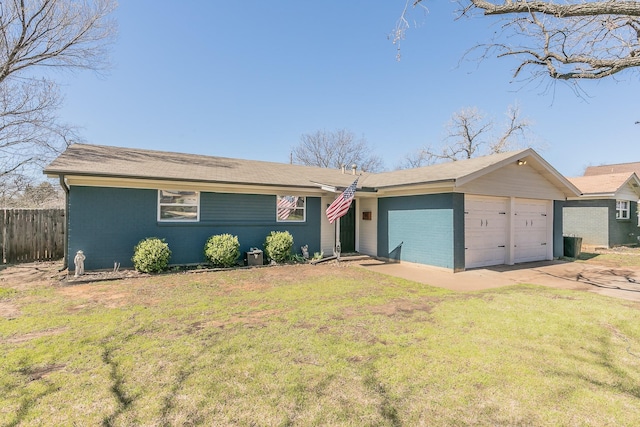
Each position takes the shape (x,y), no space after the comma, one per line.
(285,205)
(341,204)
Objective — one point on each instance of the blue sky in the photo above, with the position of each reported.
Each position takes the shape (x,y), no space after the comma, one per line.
(247,79)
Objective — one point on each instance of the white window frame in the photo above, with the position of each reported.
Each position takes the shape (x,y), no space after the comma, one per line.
(302,208)
(623,212)
(161,205)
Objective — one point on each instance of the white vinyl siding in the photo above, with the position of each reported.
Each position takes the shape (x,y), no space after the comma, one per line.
(327,230)
(513,180)
(367,230)
(627,193)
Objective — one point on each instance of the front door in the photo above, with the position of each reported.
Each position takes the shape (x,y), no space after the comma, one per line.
(348,230)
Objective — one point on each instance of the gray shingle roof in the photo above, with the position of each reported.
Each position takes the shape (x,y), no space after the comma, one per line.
(109,161)
(450,171)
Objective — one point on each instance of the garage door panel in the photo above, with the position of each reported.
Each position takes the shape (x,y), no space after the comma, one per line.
(531,230)
(485,231)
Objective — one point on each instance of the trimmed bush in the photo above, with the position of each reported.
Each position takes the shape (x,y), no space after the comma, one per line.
(277,246)
(151,255)
(222,250)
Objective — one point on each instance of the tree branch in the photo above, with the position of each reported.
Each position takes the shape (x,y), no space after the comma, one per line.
(608,7)
(569,40)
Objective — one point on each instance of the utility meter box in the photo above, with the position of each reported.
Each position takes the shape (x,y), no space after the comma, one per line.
(254,257)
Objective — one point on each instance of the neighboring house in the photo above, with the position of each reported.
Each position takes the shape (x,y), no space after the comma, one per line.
(606,214)
(499,209)
(615,168)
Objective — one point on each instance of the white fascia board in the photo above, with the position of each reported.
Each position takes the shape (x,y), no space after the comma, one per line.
(416,190)
(594,196)
(154,184)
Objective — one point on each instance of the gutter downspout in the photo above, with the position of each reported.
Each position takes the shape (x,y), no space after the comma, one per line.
(65,187)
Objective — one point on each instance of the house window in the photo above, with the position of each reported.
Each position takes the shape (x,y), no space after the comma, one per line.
(291,209)
(176,205)
(622,209)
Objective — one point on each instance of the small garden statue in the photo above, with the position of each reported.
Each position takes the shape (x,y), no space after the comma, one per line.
(305,251)
(78,260)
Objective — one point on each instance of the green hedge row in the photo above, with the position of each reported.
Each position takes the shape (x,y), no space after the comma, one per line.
(152,255)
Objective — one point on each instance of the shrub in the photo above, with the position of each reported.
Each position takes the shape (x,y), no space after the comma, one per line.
(222,250)
(151,255)
(278,246)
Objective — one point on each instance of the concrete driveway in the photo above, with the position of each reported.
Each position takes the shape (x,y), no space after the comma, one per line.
(618,282)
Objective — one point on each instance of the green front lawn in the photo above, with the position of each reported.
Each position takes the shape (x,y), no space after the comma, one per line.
(313,345)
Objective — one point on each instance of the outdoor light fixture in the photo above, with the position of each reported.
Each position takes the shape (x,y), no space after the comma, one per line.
(522,162)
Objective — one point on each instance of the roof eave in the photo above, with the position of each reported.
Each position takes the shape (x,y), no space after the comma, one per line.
(58,173)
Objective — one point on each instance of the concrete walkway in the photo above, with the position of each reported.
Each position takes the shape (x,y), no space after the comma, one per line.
(618,282)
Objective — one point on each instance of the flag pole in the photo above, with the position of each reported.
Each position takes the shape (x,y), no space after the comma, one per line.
(337,249)
(339,208)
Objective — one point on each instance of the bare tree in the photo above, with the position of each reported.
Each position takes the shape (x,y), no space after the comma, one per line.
(44,195)
(334,149)
(572,40)
(416,159)
(43,35)
(470,133)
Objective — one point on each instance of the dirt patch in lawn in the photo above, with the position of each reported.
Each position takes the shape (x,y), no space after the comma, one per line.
(93,295)
(252,319)
(402,307)
(8,310)
(30,275)
(38,372)
(17,339)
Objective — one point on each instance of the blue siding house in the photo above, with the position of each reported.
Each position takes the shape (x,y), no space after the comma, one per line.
(499,209)
(606,213)
(106,223)
(441,216)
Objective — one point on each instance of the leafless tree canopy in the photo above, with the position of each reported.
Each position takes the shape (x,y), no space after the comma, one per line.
(574,39)
(44,195)
(334,149)
(470,133)
(37,36)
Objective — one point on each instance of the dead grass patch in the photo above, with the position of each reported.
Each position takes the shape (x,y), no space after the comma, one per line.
(18,339)
(94,294)
(9,310)
(402,307)
(38,372)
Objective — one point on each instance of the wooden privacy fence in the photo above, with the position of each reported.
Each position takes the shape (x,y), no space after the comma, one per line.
(28,235)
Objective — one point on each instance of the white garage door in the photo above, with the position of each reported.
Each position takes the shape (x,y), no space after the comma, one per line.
(531,230)
(485,230)
(488,221)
